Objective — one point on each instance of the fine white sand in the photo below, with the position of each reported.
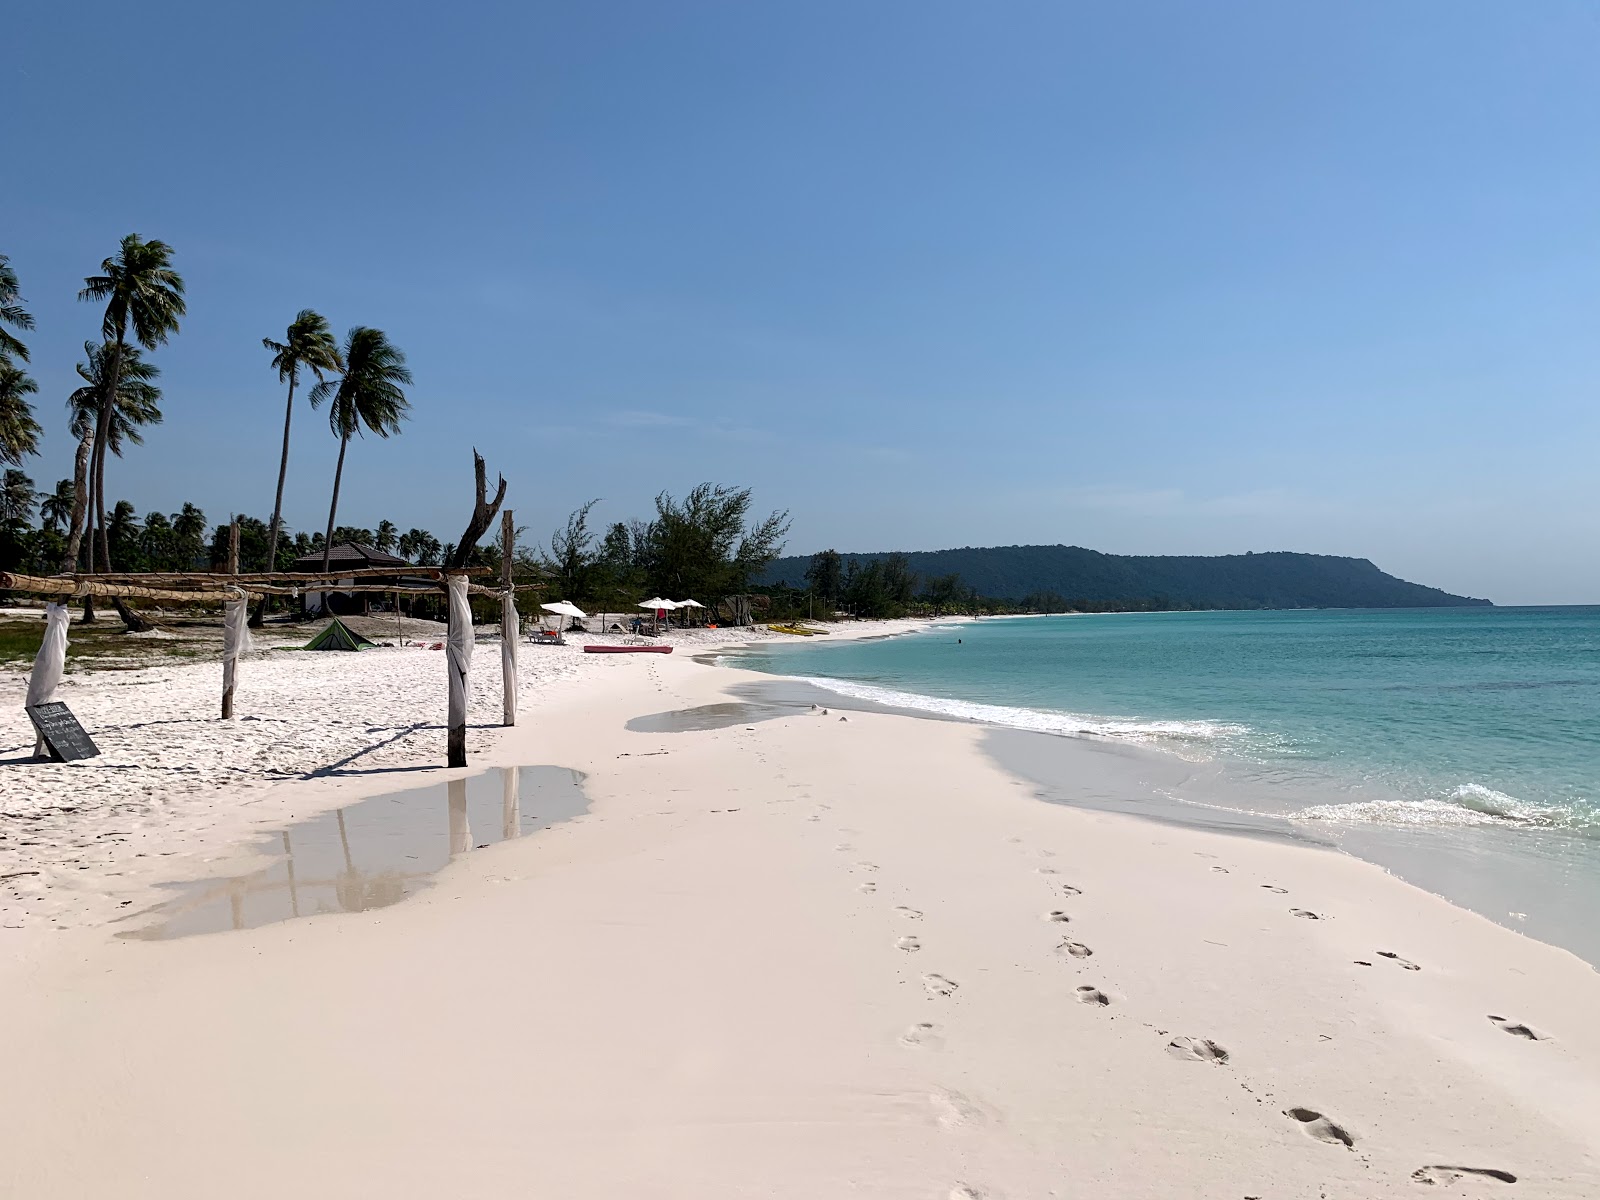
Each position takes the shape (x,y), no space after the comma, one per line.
(809,957)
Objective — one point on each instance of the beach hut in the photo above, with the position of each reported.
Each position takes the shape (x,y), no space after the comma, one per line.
(338,636)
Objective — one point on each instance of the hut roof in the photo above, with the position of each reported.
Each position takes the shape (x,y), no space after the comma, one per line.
(349,555)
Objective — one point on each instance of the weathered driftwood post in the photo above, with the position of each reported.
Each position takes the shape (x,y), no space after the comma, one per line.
(235,641)
(49,664)
(510,629)
(460,826)
(458,662)
(458,646)
(235,634)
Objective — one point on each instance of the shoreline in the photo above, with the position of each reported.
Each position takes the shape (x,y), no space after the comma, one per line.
(806,953)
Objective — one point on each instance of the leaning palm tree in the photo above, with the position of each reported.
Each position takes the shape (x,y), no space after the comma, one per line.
(11,313)
(137,403)
(369,396)
(19,431)
(143,293)
(309,343)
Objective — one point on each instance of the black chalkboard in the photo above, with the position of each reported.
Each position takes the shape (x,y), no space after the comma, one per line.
(63,736)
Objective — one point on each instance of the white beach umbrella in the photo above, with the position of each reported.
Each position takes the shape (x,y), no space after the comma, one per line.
(565,608)
(658,602)
(689,604)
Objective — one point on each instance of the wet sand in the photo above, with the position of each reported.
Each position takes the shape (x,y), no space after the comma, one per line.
(813,954)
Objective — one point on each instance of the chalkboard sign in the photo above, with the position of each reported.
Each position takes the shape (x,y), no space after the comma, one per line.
(63,736)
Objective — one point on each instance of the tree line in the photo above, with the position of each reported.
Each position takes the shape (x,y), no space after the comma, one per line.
(361,381)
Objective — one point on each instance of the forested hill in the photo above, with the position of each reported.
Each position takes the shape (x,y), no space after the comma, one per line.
(1069,574)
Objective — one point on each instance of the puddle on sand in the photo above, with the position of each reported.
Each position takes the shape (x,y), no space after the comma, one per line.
(715,716)
(372,853)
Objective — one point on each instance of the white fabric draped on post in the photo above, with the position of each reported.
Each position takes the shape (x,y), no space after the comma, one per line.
(235,641)
(50,663)
(510,632)
(458,662)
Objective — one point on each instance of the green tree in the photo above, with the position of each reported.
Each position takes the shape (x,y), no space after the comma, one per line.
(352,533)
(12,313)
(18,499)
(571,554)
(122,531)
(702,547)
(55,510)
(308,344)
(421,547)
(384,539)
(369,396)
(19,429)
(143,295)
(189,531)
(825,575)
(137,402)
(158,545)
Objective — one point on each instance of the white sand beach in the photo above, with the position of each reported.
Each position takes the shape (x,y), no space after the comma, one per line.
(840,954)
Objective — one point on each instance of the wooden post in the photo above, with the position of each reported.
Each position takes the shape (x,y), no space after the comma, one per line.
(510,626)
(229,661)
(458,662)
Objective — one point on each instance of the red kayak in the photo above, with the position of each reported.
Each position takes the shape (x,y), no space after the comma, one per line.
(594,649)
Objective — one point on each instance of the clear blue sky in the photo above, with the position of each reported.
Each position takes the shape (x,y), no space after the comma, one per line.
(1146,277)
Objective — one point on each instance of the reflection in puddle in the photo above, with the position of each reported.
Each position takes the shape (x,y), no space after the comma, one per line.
(714,716)
(373,853)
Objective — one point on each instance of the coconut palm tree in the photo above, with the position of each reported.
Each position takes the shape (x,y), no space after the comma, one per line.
(137,403)
(369,396)
(19,429)
(189,527)
(17,499)
(11,313)
(386,535)
(144,295)
(309,343)
(55,510)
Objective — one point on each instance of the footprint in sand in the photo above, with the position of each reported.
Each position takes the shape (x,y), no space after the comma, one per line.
(924,1035)
(1272,887)
(1055,914)
(963,1191)
(910,914)
(1306,913)
(909,944)
(954,1111)
(1074,949)
(1318,1126)
(867,866)
(1433,1175)
(869,887)
(1068,890)
(1220,870)
(938,985)
(1047,871)
(1093,995)
(1396,959)
(844,847)
(1197,1050)
(1517,1030)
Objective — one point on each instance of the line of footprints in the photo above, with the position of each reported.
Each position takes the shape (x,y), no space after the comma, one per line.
(926,1035)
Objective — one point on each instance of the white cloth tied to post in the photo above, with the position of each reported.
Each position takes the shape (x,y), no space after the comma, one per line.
(235,637)
(510,631)
(50,663)
(458,649)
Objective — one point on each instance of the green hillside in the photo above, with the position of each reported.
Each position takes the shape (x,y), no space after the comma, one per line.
(1076,577)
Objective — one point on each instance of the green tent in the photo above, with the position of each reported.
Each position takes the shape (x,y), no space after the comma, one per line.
(338,636)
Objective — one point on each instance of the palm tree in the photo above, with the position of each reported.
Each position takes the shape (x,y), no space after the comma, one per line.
(17,499)
(56,508)
(19,430)
(11,313)
(137,403)
(308,343)
(368,397)
(141,291)
(189,527)
(385,539)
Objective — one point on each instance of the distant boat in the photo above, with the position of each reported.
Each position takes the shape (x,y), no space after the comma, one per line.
(594,649)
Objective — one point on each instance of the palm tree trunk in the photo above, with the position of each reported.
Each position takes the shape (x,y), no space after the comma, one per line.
(80,502)
(258,619)
(102,432)
(333,508)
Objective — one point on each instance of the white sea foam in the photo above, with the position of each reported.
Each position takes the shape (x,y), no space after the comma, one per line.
(1038,720)
(1470,804)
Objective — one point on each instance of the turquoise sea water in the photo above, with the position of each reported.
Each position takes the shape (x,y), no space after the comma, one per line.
(1458,748)
(1437,716)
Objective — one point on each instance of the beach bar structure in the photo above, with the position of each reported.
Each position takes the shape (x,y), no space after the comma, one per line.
(233,591)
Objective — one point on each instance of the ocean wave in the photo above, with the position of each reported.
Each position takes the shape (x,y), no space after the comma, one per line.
(1038,720)
(1469,804)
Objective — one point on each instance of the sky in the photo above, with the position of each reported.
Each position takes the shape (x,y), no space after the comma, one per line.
(1148,277)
